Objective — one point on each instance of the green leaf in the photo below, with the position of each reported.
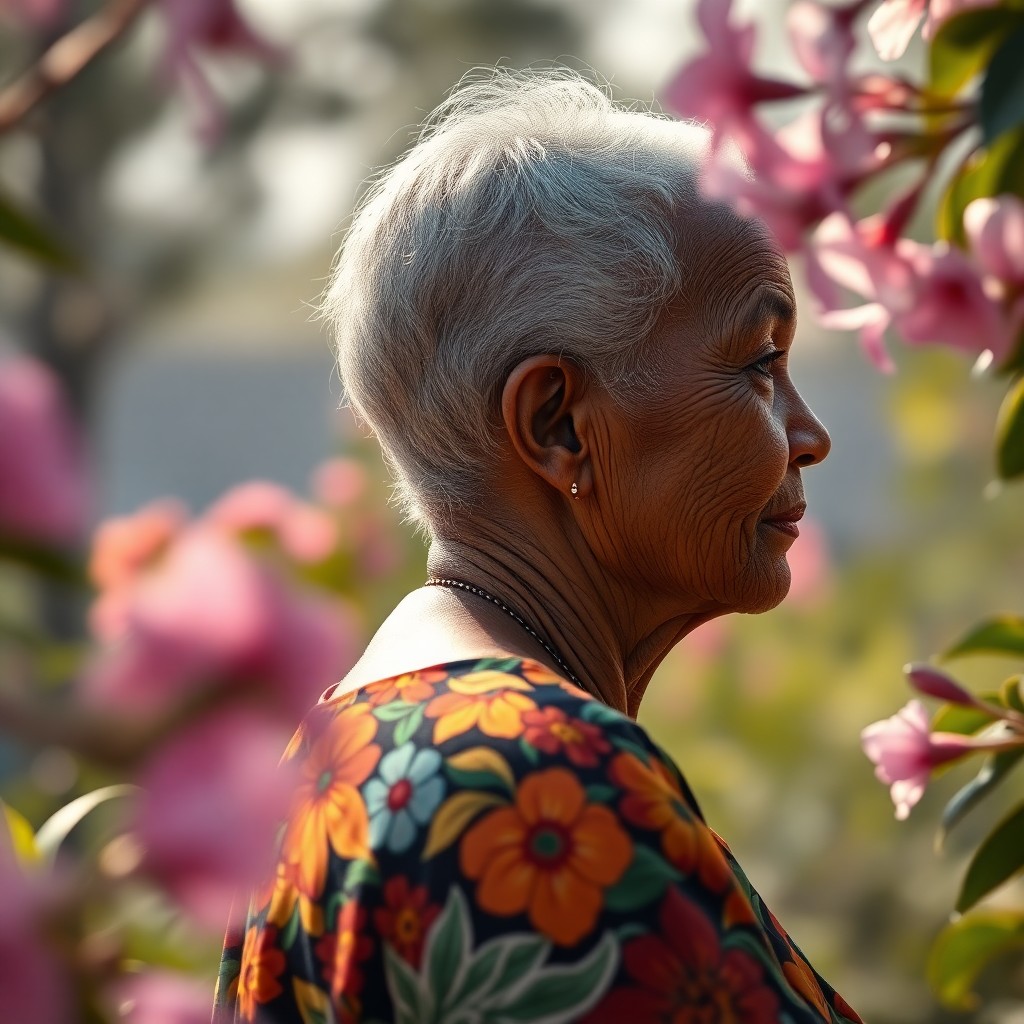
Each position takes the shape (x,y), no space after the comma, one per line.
(505,665)
(993,770)
(963,949)
(529,751)
(60,824)
(1010,431)
(997,860)
(164,944)
(963,46)
(49,562)
(961,719)
(32,239)
(561,994)
(291,929)
(1002,93)
(602,793)
(644,881)
(1011,693)
(476,978)
(409,724)
(394,711)
(23,840)
(1002,634)
(360,873)
(989,172)
(404,989)
(448,944)
(525,954)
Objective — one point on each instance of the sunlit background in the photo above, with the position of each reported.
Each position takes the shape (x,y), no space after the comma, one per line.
(193,353)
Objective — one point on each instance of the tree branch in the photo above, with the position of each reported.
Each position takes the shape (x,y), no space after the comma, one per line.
(65,59)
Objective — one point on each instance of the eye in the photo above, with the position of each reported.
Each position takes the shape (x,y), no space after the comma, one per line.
(764,365)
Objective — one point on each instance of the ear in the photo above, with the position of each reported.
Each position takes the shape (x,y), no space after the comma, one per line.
(544,407)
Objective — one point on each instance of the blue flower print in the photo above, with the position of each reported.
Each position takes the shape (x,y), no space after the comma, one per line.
(404,794)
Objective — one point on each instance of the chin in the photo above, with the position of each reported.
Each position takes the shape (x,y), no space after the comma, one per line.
(764,594)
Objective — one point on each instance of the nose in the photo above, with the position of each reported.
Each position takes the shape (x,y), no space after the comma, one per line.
(809,442)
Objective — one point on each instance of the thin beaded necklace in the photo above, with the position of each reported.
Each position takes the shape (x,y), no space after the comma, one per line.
(435,581)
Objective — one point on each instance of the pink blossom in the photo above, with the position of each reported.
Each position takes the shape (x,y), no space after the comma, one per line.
(808,559)
(719,85)
(995,230)
(45,490)
(161,997)
(894,23)
(796,181)
(306,533)
(905,752)
(213,796)
(207,25)
(340,482)
(934,683)
(949,304)
(123,548)
(929,294)
(212,611)
(41,13)
(33,982)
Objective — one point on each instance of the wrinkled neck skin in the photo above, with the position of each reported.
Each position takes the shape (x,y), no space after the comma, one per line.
(613,639)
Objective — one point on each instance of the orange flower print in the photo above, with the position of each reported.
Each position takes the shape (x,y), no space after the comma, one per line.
(262,965)
(653,800)
(405,918)
(541,675)
(493,702)
(802,978)
(328,812)
(549,855)
(553,731)
(342,952)
(412,687)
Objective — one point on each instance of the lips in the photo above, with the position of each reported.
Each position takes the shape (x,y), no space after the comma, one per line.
(785,521)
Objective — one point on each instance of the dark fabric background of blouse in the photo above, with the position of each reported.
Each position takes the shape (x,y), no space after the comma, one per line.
(483,842)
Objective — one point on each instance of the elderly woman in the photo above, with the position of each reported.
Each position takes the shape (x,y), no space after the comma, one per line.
(577,369)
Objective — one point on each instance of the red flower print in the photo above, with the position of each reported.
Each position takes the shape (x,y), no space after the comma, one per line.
(406,918)
(342,951)
(261,967)
(653,800)
(552,731)
(683,976)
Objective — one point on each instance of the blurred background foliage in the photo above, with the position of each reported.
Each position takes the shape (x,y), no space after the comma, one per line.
(186,346)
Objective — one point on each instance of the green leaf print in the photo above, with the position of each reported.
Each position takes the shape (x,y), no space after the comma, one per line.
(447,946)
(564,993)
(394,711)
(406,728)
(644,881)
(505,979)
(411,1001)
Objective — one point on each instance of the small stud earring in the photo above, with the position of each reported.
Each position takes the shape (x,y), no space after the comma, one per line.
(575,490)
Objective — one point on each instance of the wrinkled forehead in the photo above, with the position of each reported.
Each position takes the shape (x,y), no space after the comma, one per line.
(729,262)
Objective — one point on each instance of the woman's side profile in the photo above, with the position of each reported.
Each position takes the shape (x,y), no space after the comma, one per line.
(576,366)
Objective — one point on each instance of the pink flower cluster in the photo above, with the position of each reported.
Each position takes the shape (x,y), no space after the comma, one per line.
(210,620)
(905,751)
(45,493)
(806,173)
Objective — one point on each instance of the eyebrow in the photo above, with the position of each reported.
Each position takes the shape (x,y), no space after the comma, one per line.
(771,305)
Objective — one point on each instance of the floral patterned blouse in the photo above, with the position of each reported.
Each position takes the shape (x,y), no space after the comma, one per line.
(483,842)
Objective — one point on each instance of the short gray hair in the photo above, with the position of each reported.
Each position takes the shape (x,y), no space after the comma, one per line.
(532,215)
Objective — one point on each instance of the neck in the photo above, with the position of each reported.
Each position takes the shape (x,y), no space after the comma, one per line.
(611,638)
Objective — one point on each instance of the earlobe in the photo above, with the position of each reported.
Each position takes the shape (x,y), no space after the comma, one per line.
(542,406)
